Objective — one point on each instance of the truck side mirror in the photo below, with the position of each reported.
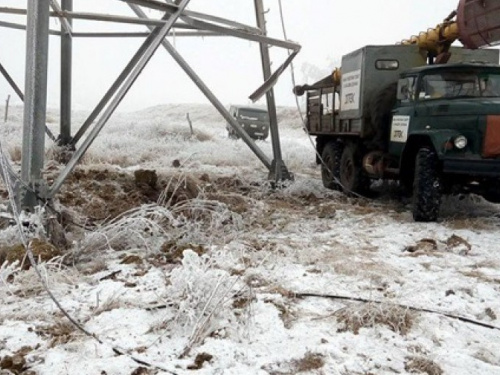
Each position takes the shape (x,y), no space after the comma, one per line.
(403,92)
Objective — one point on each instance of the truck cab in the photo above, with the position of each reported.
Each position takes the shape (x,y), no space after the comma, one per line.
(450,112)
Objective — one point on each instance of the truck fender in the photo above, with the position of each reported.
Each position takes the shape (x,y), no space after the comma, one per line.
(433,139)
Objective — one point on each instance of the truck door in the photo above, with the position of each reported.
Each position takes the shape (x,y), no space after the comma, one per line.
(403,115)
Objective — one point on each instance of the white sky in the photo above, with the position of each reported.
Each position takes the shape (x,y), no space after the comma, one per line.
(326,29)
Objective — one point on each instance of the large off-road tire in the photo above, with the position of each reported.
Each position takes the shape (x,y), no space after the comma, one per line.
(352,176)
(492,197)
(426,186)
(381,115)
(492,194)
(330,167)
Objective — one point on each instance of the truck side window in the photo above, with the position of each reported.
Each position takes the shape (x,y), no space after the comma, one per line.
(387,64)
(490,85)
(406,89)
(433,87)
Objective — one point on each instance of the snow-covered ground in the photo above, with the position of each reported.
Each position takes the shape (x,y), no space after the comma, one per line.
(181,258)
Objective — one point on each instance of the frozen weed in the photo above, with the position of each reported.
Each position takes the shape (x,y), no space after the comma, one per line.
(201,297)
(310,361)
(111,303)
(54,274)
(178,188)
(59,333)
(307,365)
(32,227)
(8,271)
(142,227)
(354,317)
(422,365)
(207,222)
(197,221)
(93,267)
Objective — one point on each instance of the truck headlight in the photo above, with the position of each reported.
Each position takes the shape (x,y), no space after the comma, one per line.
(460,142)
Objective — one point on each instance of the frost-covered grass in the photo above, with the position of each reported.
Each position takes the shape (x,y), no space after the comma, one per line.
(208,284)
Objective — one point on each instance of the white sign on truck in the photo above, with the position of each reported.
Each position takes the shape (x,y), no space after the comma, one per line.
(350,90)
(399,128)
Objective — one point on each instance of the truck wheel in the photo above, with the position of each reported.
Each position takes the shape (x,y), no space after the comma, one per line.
(492,194)
(330,168)
(426,186)
(352,176)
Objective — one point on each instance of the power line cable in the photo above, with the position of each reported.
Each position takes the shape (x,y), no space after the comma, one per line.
(412,308)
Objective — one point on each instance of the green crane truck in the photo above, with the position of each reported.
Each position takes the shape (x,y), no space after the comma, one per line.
(433,127)
(421,112)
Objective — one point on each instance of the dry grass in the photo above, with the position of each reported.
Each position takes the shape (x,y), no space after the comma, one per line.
(355,317)
(465,223)
(307,365)
(15,153)
(480,276)
(310,361)
(202,137)
(178,188)
(59,333)
(286,314)
(109,304)
(26,284)
(353,267)
(93,266)
(422,365)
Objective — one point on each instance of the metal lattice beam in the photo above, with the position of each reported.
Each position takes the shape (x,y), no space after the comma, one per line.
(175,17)
(152,45)
(35,102)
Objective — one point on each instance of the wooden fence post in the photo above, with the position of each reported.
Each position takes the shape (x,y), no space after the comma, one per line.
(6,108)
(190,124)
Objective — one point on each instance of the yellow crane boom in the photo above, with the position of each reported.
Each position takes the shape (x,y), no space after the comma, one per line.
(475,23)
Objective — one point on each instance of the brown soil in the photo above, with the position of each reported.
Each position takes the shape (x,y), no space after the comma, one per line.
(41,250)
(105,194)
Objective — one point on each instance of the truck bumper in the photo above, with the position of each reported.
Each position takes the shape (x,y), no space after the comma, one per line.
(476,167)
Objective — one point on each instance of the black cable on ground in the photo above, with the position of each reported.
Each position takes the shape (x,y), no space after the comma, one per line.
(412,308)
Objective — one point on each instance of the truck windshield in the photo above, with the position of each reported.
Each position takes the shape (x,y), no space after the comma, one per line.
(249,114)
(460,84)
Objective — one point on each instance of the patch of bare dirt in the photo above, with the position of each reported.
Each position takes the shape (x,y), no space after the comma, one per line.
(234,202)
(200,359)
(105,194)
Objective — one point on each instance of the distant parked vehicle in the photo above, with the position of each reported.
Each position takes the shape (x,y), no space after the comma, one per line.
(255,121)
